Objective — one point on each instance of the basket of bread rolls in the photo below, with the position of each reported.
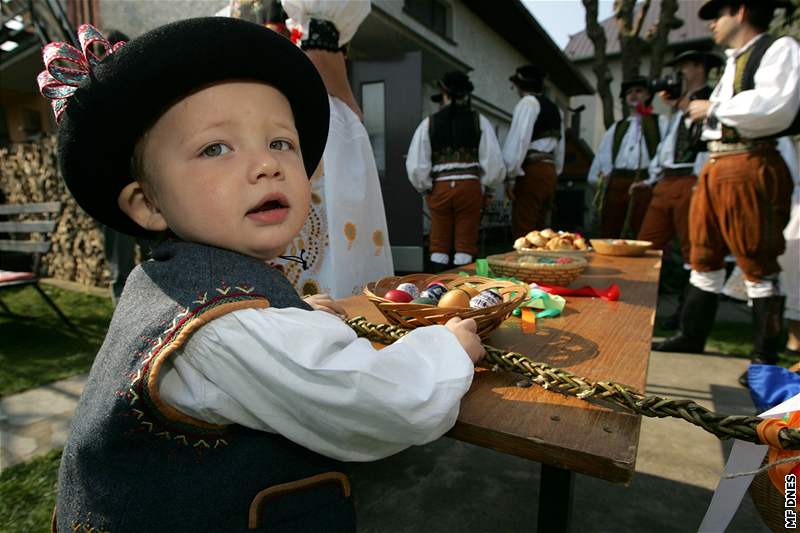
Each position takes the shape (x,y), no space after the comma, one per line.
(551,242)
(536,268)
(425,299)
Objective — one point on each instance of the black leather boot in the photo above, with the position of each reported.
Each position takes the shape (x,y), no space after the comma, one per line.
(697,319)
(767,322)
(673,321)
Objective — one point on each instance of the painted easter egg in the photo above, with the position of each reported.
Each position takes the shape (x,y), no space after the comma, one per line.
(454,298)
(485,299)
(396,296)
(424,301)
(410,288)
(435,291)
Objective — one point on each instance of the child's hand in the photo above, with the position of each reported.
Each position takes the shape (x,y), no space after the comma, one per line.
(323,302)
(464,330)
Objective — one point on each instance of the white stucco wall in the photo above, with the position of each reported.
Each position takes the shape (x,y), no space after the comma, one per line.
(134,17)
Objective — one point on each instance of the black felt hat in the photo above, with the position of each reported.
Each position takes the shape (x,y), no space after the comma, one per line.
(639,81)
(455,83)
(709,59)
(437,98)
(130,88)
(710,10)
(529,78)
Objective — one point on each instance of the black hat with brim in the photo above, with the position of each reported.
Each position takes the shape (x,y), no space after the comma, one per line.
(710,10)
(437,98)
(455,83)
(633,82)
(528,77)
(710,60)
(130,89)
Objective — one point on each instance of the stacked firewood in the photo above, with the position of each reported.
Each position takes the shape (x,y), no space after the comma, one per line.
(29,174)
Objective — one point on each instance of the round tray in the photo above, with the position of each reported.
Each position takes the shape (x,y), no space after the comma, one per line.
(529,267)
(622,247)
(416,315)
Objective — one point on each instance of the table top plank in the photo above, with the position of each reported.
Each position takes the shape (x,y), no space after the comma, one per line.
(593,338)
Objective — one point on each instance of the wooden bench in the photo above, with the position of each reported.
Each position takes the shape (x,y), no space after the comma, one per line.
(36,248)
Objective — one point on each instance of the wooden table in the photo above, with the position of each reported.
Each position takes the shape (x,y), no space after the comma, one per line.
(593,338)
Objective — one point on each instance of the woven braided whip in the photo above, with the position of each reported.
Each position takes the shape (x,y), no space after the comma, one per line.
(616,394)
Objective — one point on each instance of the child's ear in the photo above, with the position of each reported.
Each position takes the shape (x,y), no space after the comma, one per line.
(134,202)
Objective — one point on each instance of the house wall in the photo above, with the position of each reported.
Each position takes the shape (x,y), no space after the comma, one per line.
(134,17)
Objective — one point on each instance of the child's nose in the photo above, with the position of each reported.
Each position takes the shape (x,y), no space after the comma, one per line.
(267,167)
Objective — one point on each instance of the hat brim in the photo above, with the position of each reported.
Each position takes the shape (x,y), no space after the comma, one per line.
(710,10)
(132,87)
(635,83)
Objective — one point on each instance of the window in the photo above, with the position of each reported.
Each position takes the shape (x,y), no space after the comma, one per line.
(430,13)
(373,100)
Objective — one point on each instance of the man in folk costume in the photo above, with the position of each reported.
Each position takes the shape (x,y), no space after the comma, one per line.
(453,158)
(742,200)
(678,160)
(533,152)
(623,158)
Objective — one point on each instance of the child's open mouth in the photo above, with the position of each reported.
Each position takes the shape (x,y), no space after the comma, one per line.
(273,209)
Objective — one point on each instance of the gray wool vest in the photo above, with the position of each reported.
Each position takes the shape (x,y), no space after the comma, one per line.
(132,463)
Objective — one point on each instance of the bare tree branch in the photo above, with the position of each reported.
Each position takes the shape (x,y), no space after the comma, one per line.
(658,37)
(600,67)
(637,29)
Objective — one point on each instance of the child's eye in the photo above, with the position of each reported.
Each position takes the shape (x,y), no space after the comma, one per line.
(281,144)
(216,150)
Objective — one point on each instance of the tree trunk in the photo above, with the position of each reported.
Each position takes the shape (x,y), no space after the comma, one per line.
(658,36)
(598,37)
(631,43)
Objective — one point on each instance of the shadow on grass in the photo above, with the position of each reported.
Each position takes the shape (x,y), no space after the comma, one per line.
(28,494)
(37,347)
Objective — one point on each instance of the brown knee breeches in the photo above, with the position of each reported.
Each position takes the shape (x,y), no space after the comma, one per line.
(668,213)
(741,205)
(617,203)
(533,198)
(455,208)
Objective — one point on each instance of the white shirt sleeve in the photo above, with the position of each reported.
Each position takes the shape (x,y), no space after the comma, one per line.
(346,15)
(490,156)
(771,106)
(655,168)
(519,135)
(788,151)
(560,151)
(602,163)
(418,160)
(305,375)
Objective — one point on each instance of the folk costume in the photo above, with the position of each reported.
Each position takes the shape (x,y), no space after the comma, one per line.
(345,239)
(743,197)
(533,152)
(674,169)
(623,158)
(203,411)
(453,158)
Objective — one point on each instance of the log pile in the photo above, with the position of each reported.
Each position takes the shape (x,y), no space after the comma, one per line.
(28,174)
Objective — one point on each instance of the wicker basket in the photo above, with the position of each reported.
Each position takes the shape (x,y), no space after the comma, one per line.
(624,247)
(416,315)
(769,502)
(553,270)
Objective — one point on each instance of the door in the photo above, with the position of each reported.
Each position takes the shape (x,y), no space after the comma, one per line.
(389,92)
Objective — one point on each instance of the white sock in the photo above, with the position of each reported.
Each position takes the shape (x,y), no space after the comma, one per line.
(708,281)
(462,259)
(440,258)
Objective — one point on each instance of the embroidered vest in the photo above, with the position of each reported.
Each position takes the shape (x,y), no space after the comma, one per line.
(652,135)
(133,463)
(744,80)
(548,123)
(687,142)
(455,135)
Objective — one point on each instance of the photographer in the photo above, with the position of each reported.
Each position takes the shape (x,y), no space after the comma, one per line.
(679,157)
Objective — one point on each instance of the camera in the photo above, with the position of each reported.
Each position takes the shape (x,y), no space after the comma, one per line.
(672,84)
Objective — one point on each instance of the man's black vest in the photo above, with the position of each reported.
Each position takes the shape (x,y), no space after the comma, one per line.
(687,141)
(744,80)
(548,123)
(650,131)
(133,463)
(455,135)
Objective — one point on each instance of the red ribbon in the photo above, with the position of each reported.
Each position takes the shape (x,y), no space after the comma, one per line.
(610,293)
(66,66)
(643,109)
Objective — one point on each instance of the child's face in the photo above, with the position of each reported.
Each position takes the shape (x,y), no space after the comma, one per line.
(225,169)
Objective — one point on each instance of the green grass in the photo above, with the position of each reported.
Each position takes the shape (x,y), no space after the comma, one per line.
(731,338)
(28,494)
(37,347)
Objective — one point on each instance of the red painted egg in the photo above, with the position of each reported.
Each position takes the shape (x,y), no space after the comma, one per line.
(400,297)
